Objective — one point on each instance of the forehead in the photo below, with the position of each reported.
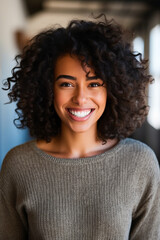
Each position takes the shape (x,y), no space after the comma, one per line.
(71,64)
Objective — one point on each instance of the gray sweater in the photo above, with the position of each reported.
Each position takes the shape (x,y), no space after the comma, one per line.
(111,196)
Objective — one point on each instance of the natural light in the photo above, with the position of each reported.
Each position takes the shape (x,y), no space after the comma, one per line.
(138,45)
(154,67)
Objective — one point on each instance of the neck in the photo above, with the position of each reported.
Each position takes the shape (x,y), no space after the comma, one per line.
(78,143)
(82,144)
(74,145)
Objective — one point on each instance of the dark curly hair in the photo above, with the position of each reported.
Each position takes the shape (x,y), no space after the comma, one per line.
(102,45)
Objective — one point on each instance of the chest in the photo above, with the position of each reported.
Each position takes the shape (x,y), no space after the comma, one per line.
(80,205)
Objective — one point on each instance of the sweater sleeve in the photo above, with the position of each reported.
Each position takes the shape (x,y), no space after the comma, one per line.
(12,225)
(146,219)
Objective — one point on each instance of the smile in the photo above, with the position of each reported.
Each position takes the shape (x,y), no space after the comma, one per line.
(80,115)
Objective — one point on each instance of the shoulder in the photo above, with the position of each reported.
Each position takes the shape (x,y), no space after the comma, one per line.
(143,157)
(139,149)
(17,155)
(17,163)
(136,144)
(20,149)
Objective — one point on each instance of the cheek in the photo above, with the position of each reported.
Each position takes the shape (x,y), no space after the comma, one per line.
(101,98)
(60,99)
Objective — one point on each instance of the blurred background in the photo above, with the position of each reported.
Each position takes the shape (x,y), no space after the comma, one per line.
(20,20)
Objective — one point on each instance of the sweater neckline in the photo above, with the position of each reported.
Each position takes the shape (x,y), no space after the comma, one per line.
(89,159)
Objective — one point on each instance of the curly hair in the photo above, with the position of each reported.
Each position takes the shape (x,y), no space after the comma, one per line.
(102,45)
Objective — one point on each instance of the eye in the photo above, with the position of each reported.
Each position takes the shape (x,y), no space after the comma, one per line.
(66,84)
(95,84)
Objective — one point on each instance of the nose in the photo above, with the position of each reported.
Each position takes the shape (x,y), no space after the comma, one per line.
(80,96)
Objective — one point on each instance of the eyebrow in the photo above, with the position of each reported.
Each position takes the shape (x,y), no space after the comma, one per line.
(66,76)
(74,78)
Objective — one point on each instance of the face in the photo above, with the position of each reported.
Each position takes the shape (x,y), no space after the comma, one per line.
(79,98)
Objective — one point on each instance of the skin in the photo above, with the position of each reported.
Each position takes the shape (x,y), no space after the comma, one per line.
(77,90)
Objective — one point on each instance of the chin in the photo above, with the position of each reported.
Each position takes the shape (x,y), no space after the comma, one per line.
(81,129)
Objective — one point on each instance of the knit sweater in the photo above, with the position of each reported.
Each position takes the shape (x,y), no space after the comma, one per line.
(111,196)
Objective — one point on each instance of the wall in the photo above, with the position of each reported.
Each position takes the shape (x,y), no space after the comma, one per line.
(12,17)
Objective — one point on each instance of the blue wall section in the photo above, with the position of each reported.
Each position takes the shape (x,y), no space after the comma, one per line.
(10,136)
(13,16)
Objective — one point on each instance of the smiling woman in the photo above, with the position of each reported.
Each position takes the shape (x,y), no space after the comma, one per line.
(81,92)
(79,96)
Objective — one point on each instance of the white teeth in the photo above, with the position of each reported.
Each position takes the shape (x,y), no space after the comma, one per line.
(80,114)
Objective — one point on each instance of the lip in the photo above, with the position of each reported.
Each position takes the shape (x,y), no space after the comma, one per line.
(79,119)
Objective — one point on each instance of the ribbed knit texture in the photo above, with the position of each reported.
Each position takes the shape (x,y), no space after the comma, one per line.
(111,196)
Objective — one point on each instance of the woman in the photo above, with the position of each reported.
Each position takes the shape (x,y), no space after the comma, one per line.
(81,92)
